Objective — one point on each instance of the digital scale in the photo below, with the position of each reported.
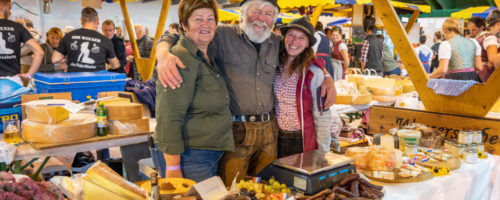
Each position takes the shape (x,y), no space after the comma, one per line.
(309,172)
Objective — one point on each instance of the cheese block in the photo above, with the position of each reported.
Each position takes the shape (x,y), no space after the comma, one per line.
(123,111)
(353,100)
(46,114)
(382,91)
(78,126)
(384,98)
(113,100)
(129,126)
(408,87)
(356,79)
(102,175)
(380,82)
(92,191)
(176,185)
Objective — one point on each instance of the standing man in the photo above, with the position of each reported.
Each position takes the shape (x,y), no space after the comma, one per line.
(323,47)
(145,44)
(476,25)
(247,55)
(108,30)
(85,49)
(12,34)
(371,54)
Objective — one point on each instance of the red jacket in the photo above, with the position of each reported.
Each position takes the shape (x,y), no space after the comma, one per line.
(304,83)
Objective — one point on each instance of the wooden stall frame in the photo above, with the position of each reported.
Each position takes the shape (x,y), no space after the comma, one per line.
(477,101)
(145,66)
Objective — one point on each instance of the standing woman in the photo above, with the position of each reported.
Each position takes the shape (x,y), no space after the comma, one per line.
(54,36)
(458,56)
(194,122)
(489,45)
(303,127)
(340,59)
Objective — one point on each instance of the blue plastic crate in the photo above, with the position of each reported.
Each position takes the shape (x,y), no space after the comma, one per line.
(9,112)
(80,84)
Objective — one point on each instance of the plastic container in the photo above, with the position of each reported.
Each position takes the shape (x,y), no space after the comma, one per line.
(407,136)
(470,155)
(80,84)
(465,137)
(9,112)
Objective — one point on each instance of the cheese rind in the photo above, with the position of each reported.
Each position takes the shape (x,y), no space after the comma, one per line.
(46,114)
(123,111)
(129,126)
(78,126)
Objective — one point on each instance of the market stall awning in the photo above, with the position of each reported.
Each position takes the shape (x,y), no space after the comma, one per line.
(396,4)
(339,22)
(285,18)
(228,15)
(467,13)
(299,3)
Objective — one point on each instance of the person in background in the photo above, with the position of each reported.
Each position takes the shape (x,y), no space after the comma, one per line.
(119,32)
(322,47)
(145,44)
(438,38)
(304,124)
(458,56)
(12,35)
(194,122)
(389,65)
(54,36)
(372,51)
(36,35)
(276,28)
(68,29)
(173,28)
(475,26)
(424,53)
(328,33)
(85,49)
(489,45)
(340,57)
(108,30)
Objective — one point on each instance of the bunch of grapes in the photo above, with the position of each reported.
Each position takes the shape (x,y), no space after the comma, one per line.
(267,191)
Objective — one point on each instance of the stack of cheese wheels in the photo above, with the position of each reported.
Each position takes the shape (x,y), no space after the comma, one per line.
(382,94)
(348,93)
(126,118)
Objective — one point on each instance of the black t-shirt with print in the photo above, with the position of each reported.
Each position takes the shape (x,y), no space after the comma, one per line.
(12,34)
(86,50)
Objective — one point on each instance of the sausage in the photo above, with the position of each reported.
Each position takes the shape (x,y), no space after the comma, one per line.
(348,178)
(355,188)
(344,192)
(331,196)
(366,192)
(368,184)
(379,193)
(320,195)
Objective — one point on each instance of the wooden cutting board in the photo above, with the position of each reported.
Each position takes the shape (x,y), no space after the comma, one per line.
(453,164)
(178,185)
(399,179)
(89,140)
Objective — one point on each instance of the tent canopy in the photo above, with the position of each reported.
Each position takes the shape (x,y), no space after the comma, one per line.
(467,13)
(396,4)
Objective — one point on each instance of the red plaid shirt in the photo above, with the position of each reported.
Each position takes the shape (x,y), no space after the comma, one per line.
(286,107)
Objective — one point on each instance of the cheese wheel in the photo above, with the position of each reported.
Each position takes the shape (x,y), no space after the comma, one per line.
(46,114)
(384,98)
(343,99)
(78,126)
(123,111)
(362,99)
(129,126)
(105,177)
(382,91)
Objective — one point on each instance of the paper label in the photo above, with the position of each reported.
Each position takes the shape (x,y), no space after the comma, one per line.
(73,107)
(299,183)
(212,188)
(102,122)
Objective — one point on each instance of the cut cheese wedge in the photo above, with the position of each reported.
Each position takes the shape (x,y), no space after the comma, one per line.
(353,100)
(123,111)
(382,91)
(46,114)
(384,99)
(100,174)
(129,126)
(78,126)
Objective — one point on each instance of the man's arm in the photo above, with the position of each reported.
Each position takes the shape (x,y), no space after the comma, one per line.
(167,66)
(113,63)
(37,58)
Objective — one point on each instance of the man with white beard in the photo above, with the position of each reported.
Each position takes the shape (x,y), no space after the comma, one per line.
(247,55)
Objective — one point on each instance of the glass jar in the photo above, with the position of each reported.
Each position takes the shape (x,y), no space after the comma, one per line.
(477,137)
(448,146)
(458,149)
(470,155)
(411,149)
(465,137)
(480,147)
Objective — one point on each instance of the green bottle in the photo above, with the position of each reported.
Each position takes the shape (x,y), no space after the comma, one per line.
(102,120)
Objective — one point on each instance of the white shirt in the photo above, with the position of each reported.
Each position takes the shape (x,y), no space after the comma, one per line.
(425,50)
(445,49)
(342,46)
(488,41)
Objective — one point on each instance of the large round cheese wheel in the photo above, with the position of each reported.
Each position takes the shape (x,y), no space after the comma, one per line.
(384,98)
(77,127)
(382,91)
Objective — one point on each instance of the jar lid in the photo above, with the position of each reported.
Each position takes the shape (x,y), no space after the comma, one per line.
(471,150)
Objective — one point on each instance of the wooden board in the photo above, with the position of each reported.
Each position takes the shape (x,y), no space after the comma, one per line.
(181,185)
(398,179)
(384,118)
(452,164)
(89,140)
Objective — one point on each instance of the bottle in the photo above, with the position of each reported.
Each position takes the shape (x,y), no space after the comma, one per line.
(102,121)
(155,188)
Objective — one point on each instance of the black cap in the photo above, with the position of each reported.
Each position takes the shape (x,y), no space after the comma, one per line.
(274,2)
(302,24)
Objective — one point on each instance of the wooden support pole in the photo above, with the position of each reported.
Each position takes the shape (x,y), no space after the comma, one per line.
(497,3)
(477,101)
(145,66)
(315,15)
(412,21)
